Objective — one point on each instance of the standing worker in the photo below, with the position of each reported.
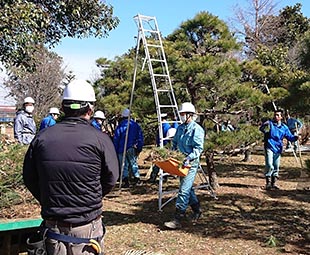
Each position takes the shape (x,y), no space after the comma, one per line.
(98,119)
(274,133)
(134,147)
(24,125)
(165,127)
(294,126)
(50,120)
(189,139)
(69,168)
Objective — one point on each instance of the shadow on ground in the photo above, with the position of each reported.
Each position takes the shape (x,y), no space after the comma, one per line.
(282,214)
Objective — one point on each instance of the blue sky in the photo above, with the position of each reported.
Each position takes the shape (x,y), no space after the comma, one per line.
(80,55)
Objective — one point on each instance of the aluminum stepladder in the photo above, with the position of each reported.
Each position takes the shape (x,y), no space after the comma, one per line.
(165,101)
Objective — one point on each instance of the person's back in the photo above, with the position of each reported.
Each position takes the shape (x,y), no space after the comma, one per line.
(134,142)
(135,136)
(69,168)
(70,155)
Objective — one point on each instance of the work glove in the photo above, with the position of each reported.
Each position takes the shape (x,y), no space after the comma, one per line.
(186,162)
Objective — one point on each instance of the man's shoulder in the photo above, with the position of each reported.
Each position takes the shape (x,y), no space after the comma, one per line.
(20,113)
(196,125)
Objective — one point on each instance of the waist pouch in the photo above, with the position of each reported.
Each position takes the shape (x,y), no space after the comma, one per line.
(92,242)
(36,243)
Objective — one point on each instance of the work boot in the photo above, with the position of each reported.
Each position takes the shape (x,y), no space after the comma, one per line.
(273,182)
(176,222)
(125,183)
(268,184)
(137,181)
(197,212)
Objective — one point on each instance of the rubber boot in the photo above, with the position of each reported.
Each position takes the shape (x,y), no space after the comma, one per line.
(176,222)
(273,182)
(268,184)
(196,213)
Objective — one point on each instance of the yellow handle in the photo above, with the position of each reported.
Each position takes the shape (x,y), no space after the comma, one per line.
(95,245)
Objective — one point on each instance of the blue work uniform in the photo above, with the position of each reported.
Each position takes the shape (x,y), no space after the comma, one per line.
(273,143)
(48,121)
(189,139)
(292,123)
(135,142)
(165,126)
(96,124)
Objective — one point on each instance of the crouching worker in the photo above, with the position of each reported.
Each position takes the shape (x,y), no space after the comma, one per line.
(69,168)
(189,139)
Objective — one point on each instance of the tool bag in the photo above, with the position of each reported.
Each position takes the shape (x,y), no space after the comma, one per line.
(36,243)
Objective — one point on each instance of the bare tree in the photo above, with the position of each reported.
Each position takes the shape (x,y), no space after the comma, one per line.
(43,83)
(256,23)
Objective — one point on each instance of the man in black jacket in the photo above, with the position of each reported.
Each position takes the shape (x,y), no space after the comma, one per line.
(69,168)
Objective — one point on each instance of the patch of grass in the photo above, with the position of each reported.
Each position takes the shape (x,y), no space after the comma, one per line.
(272,241)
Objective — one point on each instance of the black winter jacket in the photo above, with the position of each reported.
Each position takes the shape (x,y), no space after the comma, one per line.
(69,168)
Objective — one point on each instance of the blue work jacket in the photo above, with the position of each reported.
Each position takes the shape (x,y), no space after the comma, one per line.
(165,126)
(135,136)
(189,139)
(48,121)
(292,123)
(96,124)
(274,135)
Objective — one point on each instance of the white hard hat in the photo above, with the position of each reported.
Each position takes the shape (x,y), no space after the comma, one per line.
(187,107)
(99,115)
(171,132)
(28,100)
(125,113)
(79,90)
(54,110)
(163,115)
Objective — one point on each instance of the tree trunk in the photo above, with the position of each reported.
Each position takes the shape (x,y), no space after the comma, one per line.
(211,169)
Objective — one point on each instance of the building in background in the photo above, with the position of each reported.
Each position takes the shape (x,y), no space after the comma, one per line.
(7,113)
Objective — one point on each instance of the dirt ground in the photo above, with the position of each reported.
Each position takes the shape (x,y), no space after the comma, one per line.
(243,219)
